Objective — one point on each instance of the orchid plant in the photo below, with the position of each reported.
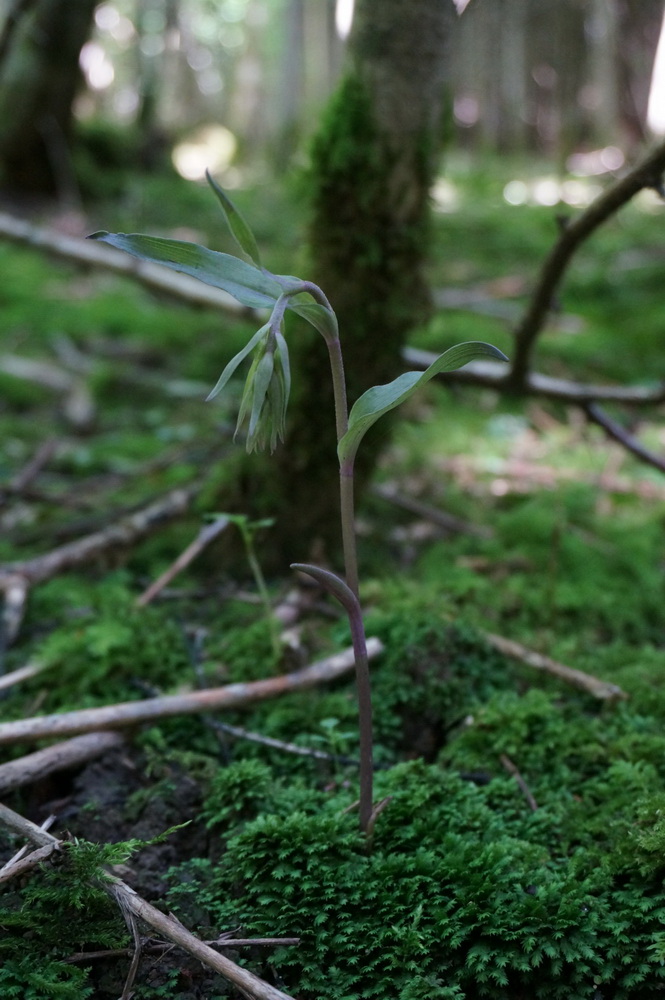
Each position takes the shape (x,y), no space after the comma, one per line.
(265,399)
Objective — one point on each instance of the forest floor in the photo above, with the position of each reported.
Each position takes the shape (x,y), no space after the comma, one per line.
(520,852)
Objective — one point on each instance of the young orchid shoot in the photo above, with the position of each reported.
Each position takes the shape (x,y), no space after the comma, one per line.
(265,399)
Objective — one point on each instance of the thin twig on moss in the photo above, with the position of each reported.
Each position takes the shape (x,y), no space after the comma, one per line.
(130,902)
(602,690)
(17,577)
(133,713)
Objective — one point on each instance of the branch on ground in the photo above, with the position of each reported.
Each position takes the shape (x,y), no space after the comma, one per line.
(87,253)
(133,713)
(130,902)
(17,577)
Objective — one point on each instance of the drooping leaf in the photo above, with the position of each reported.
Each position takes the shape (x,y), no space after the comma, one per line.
(381,399)
(240,229)
(322,319)
(235,361)
(245,282)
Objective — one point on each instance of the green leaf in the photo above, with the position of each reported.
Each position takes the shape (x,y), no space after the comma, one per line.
(382,398)
(322,319)
(249,285)
(236,360)
(240,230)
(261,383)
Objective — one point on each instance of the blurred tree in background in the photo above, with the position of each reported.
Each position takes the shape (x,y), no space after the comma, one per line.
(539,75)
(39,76)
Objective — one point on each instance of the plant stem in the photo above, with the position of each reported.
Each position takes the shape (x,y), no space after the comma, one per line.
(364,716)
(354,610)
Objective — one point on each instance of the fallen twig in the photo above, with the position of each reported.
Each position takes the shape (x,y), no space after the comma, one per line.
(441,518)
(78,406)
(524,788)
(17,577)
(91,254)
(129,901)
(21,674)
(59,757)
(27,863)
(494,375)
(602,690)
(617,433)
(46,825)
(34,466)
(134,713)
(205,536)
(154,945)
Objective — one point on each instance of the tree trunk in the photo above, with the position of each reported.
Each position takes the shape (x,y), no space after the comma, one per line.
(39,75)
(373,163)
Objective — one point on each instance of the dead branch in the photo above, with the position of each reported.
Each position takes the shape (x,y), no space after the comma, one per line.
(449,523)
(16,676)
(59,757)
(647,173)
(25,476)
(577,678)
(91,254)
(27,863)
(623,437)
(133,713)
(17,577)
(78,404)
(524,788)
(156,946)
(206,535)
(494,375)
(169,927)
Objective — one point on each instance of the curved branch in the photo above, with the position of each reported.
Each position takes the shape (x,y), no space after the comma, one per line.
(647,173)
(624,438)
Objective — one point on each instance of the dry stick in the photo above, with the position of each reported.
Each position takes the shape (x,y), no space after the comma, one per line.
(21,674)
(493,375)
(647,173)
(134,713)
(59,757)
(617,432)
(17,577)
(206,535)
(602,690)
(269,741)
(91,254)
(34,466)
(26,864)
(130,902)
(524,788)
(46,825)
(151,946)
(438,517)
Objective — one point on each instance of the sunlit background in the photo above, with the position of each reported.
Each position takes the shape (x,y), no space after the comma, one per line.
(231,78)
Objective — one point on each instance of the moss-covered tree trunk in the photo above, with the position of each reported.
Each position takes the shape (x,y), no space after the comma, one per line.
(373,162)
(39,75)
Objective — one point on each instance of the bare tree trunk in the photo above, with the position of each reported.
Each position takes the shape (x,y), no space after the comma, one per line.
(39,75)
